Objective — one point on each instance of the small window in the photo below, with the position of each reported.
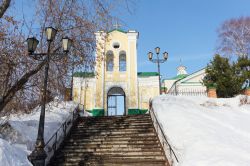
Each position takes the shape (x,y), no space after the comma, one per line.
(109,61)
(122,61)
(116,45)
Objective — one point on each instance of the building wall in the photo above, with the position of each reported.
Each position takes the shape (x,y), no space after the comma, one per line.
(168,84)
(192,84)
(84,92)
(92,92)
(148,88)
(124,79)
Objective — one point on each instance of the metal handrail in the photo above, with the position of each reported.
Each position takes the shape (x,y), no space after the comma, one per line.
(164,140)
(57,138)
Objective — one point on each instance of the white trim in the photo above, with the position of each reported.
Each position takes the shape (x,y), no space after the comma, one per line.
(200,72)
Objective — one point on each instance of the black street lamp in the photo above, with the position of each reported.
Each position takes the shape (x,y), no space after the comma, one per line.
(158,61)
(38,155)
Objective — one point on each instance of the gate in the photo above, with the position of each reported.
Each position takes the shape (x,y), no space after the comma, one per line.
(116,103)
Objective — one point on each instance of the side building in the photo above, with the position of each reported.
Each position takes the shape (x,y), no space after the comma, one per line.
(186,84)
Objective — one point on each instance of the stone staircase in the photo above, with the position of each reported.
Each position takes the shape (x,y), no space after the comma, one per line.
(111,141)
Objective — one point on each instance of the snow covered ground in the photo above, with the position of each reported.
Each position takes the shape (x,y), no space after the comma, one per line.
(19,136)
(205,131)
(202,131)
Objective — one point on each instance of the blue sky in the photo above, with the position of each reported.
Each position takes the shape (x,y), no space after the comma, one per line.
(186,29)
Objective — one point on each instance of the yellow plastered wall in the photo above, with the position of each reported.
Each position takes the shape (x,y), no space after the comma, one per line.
(87,98)
(148,88)
(84,91)
(133,77)
(75,94)
(138,90)
(100,49)
(129,77)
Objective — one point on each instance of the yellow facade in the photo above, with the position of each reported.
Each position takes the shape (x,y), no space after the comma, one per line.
(93,91)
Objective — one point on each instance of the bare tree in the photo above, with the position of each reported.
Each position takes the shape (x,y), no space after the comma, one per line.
(22,75)
(234,37)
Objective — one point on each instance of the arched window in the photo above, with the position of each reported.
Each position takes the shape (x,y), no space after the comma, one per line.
(122,61)
(109,61)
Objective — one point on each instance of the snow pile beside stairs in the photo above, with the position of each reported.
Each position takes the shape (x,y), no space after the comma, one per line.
(18,139)
(205,131)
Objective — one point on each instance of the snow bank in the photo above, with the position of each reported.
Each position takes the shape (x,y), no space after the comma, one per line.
(27,125)
(205,131)
(20,139)
(11,155)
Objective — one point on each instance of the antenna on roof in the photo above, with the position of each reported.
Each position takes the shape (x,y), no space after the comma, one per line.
(180,62)
(116,25)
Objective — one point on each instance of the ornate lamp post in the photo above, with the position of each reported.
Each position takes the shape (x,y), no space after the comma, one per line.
(158,61)
(38,155)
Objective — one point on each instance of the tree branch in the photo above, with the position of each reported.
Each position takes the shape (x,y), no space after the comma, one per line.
(19,85)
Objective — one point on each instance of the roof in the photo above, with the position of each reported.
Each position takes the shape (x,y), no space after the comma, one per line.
(84,74)
(92,74)
(147,74)
(180,76)
(119,30)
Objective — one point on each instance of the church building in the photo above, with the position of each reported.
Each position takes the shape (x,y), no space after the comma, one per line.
(115,87)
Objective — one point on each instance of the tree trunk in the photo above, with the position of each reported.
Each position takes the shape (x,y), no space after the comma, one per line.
(4,6)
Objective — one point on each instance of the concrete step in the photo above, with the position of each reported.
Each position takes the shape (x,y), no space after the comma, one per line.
(101,124)
(114,124)
(112,141)
(117,117)
(113,133)
(113,149)
(108,156)
(111,138)
(78,138)
(85,146)
(102,163)
(115,155)
(90,120)
(112,129)
(117,162)
(93,119)
(116,142)
(94,131)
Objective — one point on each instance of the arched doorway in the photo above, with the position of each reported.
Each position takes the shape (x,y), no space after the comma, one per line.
(116,102)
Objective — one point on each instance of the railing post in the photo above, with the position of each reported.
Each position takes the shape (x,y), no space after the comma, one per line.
(58,134)
(158,127)
(55,142)
(64,129)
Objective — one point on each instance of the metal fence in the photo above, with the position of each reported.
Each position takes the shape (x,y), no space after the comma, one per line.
(169,152)
(57,138)
(191,92)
